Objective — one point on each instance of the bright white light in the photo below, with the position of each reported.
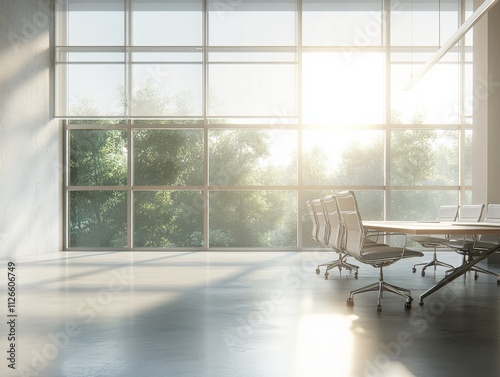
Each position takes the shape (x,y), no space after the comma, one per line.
(435,96)
(343,88)
(324,344)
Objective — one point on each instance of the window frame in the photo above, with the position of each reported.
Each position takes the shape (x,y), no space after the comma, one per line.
(282,121)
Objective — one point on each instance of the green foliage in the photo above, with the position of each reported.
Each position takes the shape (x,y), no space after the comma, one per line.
(98,219)
(235,157)
(164,218)
(412,157)
(98,158)
(315,167)
(168,219)
(252,219)
(362,164)
(168,157)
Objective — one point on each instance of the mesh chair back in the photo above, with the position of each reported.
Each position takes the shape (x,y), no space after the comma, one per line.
(323,227)
(492,216)
(470,213)
(351,218)
(493,213)
(447,213)
(314,221)
(336,234)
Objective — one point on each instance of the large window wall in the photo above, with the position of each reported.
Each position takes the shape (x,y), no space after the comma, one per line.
(208,124)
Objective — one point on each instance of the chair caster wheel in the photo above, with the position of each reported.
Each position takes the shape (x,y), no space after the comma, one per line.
(423,273)
(379,308)
(326,275)
(317,271)
(408,305)
(476,276)
(498,282)
(413,270)
(356,276)
(350,302)
(421,303)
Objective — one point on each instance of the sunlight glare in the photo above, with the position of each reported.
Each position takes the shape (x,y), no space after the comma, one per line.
(343,88)
(324,342)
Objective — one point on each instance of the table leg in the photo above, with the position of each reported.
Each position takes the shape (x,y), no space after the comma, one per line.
(458,272)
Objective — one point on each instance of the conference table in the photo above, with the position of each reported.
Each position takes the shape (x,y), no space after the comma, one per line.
(434,228)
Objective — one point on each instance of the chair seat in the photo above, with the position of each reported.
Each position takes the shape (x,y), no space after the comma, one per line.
(381,252)
(482,246)
(459,244)
(429,240)
(470,247)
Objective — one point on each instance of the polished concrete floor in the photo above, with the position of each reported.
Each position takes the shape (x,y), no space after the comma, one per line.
(242,314)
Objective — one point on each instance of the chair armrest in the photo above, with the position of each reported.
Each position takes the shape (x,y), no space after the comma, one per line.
(378,234)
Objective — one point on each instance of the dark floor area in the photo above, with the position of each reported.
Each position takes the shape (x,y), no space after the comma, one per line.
(245,314)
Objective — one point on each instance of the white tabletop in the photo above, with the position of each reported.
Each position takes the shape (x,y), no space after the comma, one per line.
(415,227)
(422,227)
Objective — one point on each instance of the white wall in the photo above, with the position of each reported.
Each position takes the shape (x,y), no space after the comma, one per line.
(486,96)
(486,150)
(30,140)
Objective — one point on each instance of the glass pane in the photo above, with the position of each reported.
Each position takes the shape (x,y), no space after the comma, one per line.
(449,18)
(370,204)
(469,10)
(168,157)
(252,157)
(98,219)
(96,23)
(434,99)
(342,23)
(168,219)
(166,90)
(253,219)
(419,205)
(424,157)
(167,22)
(96,90)
(340,157)
(343,88)
(98,158)
(252,90)
(468,197)
(252,23)
(415,23)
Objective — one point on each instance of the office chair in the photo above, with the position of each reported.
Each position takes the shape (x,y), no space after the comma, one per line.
(376,254)
(320,231)
(445,214)
(336,237)
(471,247)
(314,222)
